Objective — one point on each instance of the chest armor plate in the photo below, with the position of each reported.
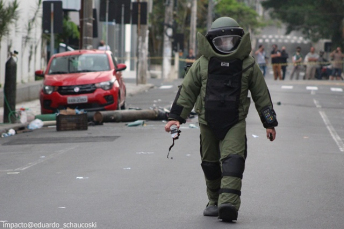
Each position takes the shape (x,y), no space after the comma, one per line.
(223,95)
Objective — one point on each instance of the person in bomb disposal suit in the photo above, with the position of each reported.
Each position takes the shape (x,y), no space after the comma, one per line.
(217,85)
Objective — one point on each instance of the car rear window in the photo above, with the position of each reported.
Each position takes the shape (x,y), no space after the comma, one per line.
(79,63)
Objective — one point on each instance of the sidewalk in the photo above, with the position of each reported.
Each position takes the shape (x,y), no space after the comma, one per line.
(34,105)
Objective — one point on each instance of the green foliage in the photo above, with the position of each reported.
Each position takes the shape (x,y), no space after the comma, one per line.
(31,23)
(316,19)
(202,13)
(69,30)
(181,16)
(243,14)
(156,31)
(8,15)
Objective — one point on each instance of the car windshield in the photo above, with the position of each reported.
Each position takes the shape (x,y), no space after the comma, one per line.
(79,63)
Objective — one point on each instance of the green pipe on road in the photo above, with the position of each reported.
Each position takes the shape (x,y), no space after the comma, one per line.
(46,117)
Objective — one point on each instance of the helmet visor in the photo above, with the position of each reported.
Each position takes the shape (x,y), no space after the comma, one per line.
(227,43)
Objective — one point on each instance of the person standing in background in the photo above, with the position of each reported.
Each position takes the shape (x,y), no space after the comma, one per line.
(311,59)
(190,58)
(102,46)
(261,59)
(283,61)
(275,61)
(322,71)
(297,60)
(337,64)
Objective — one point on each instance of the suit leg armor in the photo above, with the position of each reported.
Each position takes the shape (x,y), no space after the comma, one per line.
(233,150)
(224,187)
(211,166)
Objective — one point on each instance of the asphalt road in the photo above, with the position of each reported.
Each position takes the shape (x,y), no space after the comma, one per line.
(116,176)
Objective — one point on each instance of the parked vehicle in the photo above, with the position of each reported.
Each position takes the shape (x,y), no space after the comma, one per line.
(63,48)
(82,79)
(324,72)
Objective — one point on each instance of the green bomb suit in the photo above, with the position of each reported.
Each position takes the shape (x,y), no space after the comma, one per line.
(217,86)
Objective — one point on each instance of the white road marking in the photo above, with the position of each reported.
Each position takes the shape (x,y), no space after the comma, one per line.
(317,104)
(287,87)
(336,89)
(6,171)
(313,88)
(29,165)
(330,128)
(166,87)
(144,152)
(81,178)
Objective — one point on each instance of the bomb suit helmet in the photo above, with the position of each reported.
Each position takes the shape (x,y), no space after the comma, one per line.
(224,35)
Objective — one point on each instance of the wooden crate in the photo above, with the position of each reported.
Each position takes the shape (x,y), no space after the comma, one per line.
(71,122)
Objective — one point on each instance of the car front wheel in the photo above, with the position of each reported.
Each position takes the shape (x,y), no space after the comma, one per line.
(120,107)
(123,105)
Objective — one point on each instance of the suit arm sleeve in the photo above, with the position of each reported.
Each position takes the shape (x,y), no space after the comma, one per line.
(261,97)
(187,94)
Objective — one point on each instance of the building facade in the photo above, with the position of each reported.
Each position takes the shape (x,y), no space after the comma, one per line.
(26,39)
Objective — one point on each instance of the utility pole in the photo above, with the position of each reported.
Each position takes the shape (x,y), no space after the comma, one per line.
(142,33)
(167,51)
(52,40)
(210,14)
(138,47)
(193,23)
(86,24)
(106,21)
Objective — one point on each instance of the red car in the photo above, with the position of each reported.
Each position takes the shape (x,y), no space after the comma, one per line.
(84,79)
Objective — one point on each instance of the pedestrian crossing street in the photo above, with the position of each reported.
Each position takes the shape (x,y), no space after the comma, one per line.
(313,88)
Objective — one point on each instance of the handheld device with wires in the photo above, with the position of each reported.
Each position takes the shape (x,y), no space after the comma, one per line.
(175,133)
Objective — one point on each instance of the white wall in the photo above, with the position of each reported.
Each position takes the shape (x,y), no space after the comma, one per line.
(71,4)
(29,57)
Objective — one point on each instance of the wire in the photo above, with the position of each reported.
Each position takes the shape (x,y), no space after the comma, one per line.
(175,138)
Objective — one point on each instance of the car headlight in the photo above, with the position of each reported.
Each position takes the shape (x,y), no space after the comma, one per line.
(107,85)
(48,89)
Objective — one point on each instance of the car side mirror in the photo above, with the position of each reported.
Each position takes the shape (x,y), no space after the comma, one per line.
(39,73)
(121,67)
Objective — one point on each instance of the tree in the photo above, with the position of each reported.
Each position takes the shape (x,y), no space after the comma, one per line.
(156,30)
(247,17)
(69,30)
(316,19)
(243,14)
(8,15)
(181,16)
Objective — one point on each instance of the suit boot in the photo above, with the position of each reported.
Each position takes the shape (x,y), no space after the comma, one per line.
(211,210)
(227,212)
